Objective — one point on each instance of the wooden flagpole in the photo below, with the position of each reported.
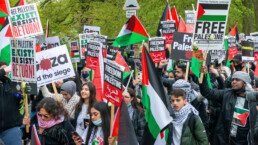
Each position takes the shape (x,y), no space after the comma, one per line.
(187,71)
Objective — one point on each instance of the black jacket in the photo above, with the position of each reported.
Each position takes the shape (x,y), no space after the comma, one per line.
(253,123)
(255,131)
(9,105)
(227,98)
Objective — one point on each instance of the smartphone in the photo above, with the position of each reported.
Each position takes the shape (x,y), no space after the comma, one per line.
(84,121)
(76,134)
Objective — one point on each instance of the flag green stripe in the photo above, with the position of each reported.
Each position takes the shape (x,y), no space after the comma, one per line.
(240,111)
(213,18)
(152,124)
(129,39)
(166,135)
(195,66)
(2,14)
(5,54)
(126,74)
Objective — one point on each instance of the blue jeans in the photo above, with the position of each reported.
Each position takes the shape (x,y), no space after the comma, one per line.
(12,136)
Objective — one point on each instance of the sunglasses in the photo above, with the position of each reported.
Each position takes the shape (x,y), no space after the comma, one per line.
(41,115)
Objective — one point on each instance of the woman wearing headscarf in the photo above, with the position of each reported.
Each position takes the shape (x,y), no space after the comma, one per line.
(68,96)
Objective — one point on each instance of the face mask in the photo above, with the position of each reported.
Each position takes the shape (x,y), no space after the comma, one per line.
(140,84)
(97,122)
(218,70)
(248,65)
(238,67)
(128,105)
(166,74)
(85,75)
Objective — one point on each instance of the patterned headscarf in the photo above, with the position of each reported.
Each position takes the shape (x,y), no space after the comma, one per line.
(182,84)
(182,114)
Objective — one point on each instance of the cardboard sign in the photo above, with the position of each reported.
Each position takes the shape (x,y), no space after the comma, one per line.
(17,89)
(255,51)
(113,77)
(93,53)
(157,49)
(232,48)
(91,29)
(181,47)
(84,38)
(247,51)
(26,51)
(52,42)
(102,39)
(53,65)
(189,17)
(167,29)
(26,21)
(251,38)
(111,52)
(211,19)
(75,53)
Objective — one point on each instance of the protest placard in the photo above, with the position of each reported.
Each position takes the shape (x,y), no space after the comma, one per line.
(84,38)
(232,48)
(111,52)
(113,77)
(157,49)
(255,51)
(26,52)
(52,42)
(218,55)
(211,19)
(53,65)
(91,29)
(26,21)
(247,51)
(103,40)
(75,53)
(181,47)
(189,21)
(167,29)
(93,49)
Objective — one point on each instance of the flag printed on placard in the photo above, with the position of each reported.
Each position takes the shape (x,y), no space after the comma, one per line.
(211,19)
(240,116)
(75,54)
(4,8)
(20,3)
(131,33)
(154,99)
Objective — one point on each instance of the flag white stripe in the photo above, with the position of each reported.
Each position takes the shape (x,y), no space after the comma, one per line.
(215,12)
(4,40)
(158,108)
(124,31)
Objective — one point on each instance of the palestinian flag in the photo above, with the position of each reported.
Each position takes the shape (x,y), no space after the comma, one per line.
(166,16)
(34,136)
(212,12)
(181,26)
(4,8)
(170,65)
(162,138)
(20,3)
(240,116)
(120,60)
(5,35)
(174,15)
(98,79)
(131,33)
(123,130)
(195,66)
(154,99)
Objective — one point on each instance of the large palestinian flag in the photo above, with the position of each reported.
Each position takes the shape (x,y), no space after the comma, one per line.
(212,12)
(131,33)
(154,100)
(4,6)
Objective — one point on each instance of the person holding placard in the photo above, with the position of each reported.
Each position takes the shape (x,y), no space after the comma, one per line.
(11,119)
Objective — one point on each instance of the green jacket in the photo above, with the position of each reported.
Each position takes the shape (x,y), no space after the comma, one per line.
(195,136)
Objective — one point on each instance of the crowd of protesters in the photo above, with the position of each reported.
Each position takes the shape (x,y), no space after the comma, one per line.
(225,114)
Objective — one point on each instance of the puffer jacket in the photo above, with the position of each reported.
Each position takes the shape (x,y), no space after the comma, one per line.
(194,136)
(227,98)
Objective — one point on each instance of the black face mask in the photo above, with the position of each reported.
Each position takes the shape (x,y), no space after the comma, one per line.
(238,67)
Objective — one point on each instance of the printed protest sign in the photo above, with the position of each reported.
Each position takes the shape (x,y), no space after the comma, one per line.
(251,38)
(52,42)
(167,29)
(17,89)
(157,49)
(53,65)
(26,52)
(181,47)
(102,39)
(93,53)
(75,53)
(255,51)
(111,52)
(232,48)
(91,29)
(84,38)
(113,77)
(247,51)
(26,21)
(218,55)
(211,19)
(189,21)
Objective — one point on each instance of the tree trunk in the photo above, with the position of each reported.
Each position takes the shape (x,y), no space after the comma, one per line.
(248,21)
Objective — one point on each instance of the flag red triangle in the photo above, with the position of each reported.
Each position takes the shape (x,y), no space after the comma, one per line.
(120,60)
(256,70)
(72,54)
(233,31)
(174,16)
(200,11)
(97,79)
(169,17)
(9,32)
(135,25)
(243,117)
(38,49)
(181,26)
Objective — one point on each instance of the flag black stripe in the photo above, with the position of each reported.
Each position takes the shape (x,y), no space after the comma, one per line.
(163,18)
(215,6)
